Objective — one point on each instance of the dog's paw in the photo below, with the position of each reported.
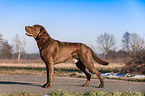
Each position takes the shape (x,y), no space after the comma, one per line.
(85,85)
(46,86)
(101,86)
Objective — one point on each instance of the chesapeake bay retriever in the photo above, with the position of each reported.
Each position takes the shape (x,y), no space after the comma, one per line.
(54,51)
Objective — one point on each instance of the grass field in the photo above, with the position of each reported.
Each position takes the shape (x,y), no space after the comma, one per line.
(39,68)
(63,69)
(90,93)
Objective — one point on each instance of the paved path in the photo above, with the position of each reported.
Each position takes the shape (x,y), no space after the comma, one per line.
(33,83)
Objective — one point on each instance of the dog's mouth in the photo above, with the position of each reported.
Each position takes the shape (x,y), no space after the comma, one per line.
(29,34)
(27,31)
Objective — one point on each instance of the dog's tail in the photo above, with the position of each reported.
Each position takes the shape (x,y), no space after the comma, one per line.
(99,60)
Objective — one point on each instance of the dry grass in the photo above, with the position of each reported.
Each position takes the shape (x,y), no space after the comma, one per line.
(39,68)
(62,65)
(63,69)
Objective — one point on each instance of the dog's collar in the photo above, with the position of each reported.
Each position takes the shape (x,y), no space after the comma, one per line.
(43,41)
(37,37)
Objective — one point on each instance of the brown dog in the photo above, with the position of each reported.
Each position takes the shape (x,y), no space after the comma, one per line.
(53,52)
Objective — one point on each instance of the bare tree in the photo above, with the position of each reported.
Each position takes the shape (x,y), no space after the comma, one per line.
(126,41)
(105,43)
(19,45)
(136,42)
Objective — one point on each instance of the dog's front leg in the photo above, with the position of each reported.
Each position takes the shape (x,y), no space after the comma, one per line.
(49,68)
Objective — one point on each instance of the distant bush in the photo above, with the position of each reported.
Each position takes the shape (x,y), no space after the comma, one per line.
(137,64)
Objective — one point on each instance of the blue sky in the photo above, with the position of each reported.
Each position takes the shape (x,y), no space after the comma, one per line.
(72,20)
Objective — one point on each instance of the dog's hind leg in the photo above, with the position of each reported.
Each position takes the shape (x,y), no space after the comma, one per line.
(92,69)
(81,66)
(88,63)
(99,76)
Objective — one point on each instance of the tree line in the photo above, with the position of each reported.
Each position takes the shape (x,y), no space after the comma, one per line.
(131,42)
(5,49)
(15,51)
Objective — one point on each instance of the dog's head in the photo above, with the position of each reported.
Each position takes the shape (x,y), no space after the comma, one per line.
(34,30)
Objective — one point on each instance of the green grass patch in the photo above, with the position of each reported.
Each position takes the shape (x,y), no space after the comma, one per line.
(90,93)
(64,93)
(103,93)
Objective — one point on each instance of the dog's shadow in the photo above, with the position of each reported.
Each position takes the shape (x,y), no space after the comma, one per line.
(19,83)
(87,86)
(33,84)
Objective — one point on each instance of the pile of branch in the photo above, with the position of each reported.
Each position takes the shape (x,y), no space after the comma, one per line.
(136,65)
